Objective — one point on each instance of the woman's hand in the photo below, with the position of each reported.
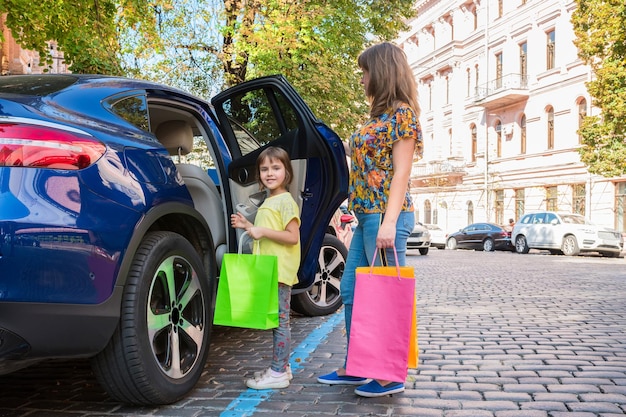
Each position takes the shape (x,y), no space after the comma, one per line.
(386,237)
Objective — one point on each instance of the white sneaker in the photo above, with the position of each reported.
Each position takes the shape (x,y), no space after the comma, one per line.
(267,381)
(258,374)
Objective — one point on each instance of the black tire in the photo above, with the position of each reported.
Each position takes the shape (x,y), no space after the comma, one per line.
(521,246)
(488,245)
(160,346)
(423,251)
(451,243)
(324,296)
(570,246)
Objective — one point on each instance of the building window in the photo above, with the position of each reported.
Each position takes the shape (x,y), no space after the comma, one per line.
(522,125)
(427,212)
(430,95)
(582,113)
(499,70)
(519,203)
(551,198)
(435,216)
(469,82)
(620,206)
(500,8)
(447,88)
(578,198)
(523,62)
(498,128)
(499,206)
(476,79)
(450,146)
(470,212)
(550,114)
(550,50)
(474,133)
(475,16)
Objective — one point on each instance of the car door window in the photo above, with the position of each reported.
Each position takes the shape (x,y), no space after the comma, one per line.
(259,117)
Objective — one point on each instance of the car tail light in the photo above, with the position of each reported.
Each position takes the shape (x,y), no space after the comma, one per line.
(24,145)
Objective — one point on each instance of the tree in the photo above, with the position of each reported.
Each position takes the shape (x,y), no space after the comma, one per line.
(314,43)
(601,41)
(85,31)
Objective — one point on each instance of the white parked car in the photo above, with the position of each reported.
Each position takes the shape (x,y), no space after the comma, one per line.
(419,239)
(437,236)
(566,233)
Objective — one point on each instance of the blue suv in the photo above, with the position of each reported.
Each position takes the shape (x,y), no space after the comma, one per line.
(115,196)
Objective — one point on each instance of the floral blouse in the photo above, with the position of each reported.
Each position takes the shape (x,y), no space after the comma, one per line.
(371,159)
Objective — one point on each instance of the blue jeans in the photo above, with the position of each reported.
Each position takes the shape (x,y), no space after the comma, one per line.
(362,250)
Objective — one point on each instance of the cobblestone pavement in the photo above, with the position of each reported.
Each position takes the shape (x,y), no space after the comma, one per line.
(501,335)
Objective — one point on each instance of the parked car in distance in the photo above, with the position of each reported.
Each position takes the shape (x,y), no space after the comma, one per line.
(566,233)
(115,200)
(323,296)
(437,236)
(480,236)
(419,239)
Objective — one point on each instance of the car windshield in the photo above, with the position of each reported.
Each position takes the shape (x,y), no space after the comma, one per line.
(568,218)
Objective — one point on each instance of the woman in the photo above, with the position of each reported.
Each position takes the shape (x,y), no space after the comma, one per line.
(381,152)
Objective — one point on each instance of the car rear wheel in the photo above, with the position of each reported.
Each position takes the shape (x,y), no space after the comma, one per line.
(160,346)
(521,246)
(324,296)
(423,251)
(488,245)
(451,243)
(570,246)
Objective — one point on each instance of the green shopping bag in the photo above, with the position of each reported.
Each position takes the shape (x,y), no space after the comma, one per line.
(247,292)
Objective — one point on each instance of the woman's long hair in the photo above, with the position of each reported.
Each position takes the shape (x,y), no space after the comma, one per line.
(391,80)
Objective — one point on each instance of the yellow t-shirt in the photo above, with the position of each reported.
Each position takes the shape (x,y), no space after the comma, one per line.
(276,213)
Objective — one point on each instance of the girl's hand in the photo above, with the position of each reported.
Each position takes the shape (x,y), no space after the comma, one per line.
(386,237)
(238,221)
(255,233)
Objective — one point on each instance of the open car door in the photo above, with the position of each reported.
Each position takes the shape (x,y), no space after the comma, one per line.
(269,112)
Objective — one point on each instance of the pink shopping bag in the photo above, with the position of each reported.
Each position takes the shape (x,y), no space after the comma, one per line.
(382,316)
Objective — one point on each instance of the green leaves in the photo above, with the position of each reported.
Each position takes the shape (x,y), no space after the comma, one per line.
(601,41)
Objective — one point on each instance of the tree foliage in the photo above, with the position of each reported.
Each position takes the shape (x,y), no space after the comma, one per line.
(86,31)
(203,46)
(601,41)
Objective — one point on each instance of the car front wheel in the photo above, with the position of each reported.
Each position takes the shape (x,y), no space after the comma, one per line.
(324,296)
(423,251)
(521,246)
(451,243)
(570,246)
(160,346)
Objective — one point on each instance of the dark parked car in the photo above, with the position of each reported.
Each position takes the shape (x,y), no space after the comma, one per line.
(115,196)
(481,236)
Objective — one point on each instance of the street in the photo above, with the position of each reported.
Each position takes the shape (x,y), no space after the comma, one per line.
(500,335)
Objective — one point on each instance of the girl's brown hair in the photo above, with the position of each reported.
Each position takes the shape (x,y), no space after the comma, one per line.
(391,80)
(274,152)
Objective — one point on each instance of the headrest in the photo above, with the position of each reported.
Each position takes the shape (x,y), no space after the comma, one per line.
(176,136)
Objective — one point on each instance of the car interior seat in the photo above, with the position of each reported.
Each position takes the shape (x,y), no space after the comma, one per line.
(177,137)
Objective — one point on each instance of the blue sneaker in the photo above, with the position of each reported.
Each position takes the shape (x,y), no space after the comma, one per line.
(334,379)
(374,389)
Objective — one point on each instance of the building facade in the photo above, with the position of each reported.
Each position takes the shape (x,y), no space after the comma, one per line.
(502,93)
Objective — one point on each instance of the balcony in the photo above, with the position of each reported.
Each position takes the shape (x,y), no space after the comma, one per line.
(504,91)
(438,174)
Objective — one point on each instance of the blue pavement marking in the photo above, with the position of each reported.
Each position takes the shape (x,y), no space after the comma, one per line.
(247,402)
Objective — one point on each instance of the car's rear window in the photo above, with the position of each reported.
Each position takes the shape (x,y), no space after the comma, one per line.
(35,85)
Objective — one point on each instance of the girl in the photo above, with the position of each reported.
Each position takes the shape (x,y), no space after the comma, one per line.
(277,228)
(381,154)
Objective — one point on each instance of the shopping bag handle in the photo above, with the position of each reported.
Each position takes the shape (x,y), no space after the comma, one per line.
(395,254)
(242,238)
